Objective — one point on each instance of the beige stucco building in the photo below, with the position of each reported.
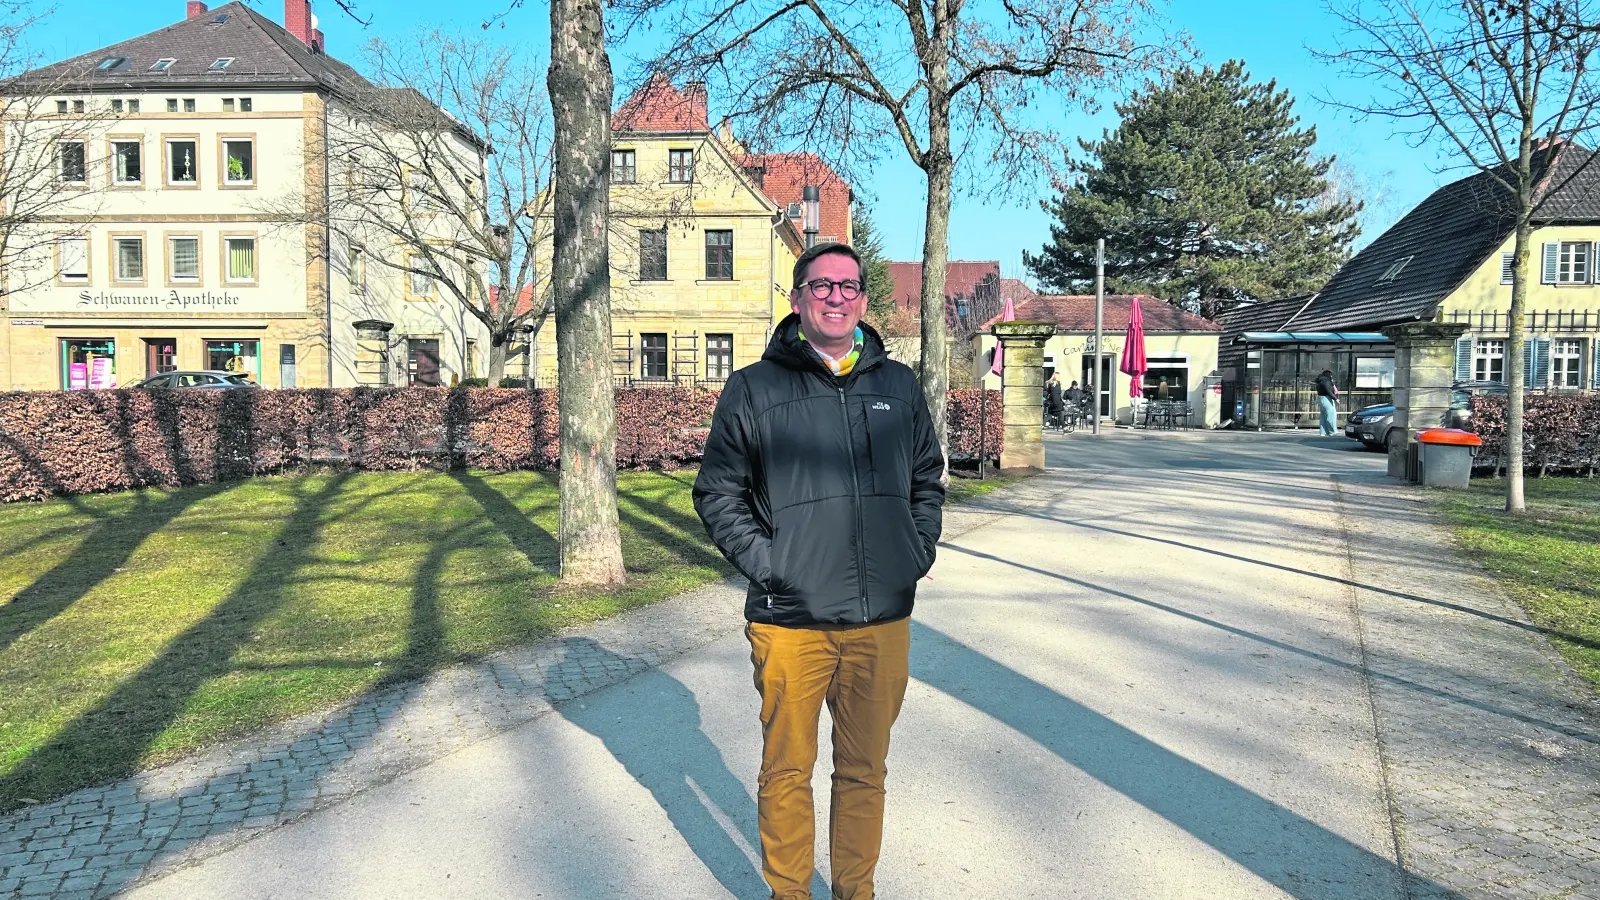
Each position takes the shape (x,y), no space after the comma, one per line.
(176,154)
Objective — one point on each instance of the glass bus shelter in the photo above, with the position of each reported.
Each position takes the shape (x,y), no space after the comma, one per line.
(1281,369)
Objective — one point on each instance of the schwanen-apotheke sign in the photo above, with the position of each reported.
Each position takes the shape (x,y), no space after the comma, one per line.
(168,302)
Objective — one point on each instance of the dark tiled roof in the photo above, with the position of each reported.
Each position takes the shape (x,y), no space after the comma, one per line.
(1447,237)
(263,53)
(1272,315)
(1075,312)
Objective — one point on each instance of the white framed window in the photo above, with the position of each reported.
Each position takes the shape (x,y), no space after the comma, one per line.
(1566,363)
(239,259)
(183,161)
(418,188)
(72,260)
(163,64)
(1508,267)
(1489,359)
(188,104)
(221,63)
(246,105)
(172,104)
(238,160)
(419,285)
(127,161)
(71,166)
(183,258)
(127,256)
(1567,262)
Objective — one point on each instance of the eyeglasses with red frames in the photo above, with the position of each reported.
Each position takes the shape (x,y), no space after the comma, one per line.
(823,288)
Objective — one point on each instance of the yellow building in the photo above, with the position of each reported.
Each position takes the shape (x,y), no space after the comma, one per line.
(1450,260)
(703,241)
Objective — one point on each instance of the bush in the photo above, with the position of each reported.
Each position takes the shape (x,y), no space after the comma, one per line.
(967,429)
(1560,432)
(80,442)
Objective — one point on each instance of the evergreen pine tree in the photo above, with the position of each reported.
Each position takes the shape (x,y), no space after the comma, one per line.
(1208,195)
(880,284)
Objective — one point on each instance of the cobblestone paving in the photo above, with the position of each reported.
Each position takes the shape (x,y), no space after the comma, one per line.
(99,841)
(1492,746)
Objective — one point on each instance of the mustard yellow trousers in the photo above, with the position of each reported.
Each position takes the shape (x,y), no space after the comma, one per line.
(861,672)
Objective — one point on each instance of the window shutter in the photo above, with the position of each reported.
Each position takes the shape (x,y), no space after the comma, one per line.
(1541,357)
(1508,267)
(1527,361)
(1594,262)
(1464,359)
(1595,362)
(1552,257)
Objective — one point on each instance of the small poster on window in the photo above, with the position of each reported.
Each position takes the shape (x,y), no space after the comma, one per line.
(102,374)
(77,376)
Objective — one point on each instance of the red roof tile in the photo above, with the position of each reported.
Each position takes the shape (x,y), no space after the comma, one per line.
(660,107)
(1075,312)
(961,278)
(784,177)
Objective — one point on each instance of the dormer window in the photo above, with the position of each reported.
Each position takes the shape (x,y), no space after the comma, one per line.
(161,65)
(221,64)
(220,20)
(1394,270)
(111,62)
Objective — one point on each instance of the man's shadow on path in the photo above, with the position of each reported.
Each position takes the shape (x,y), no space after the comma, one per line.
(661,744)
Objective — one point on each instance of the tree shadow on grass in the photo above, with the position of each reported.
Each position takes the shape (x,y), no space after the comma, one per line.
(111,541)
(108,741)
(1294,854)
(538,545)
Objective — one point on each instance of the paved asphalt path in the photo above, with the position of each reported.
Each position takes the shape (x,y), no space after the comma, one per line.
(1112,697)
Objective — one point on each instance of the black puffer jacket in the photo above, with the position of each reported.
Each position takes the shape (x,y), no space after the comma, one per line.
(823,491)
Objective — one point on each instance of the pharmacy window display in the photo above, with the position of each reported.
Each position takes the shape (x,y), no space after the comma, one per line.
(88,364)
(239,356)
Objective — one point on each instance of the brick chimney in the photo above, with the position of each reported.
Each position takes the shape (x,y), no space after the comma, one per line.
(297,20)
(197,8)
(695,93)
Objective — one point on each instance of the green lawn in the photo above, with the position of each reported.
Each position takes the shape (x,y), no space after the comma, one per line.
(144,625)
(1548,560)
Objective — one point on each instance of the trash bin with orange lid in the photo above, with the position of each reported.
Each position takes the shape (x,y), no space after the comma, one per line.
(1447,456)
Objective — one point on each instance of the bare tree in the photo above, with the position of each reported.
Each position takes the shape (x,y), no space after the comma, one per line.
(1507,87)
(53,172)
(949,84)
(580,85)
(440,171)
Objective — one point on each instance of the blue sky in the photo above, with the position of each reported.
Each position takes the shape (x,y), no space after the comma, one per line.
(1272,36)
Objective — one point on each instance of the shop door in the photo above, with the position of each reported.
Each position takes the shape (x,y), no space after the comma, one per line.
(1103,384)
(160,355)
(424,363)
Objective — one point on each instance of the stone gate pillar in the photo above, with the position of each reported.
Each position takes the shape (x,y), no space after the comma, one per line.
(1022,392)
(372,353)
(1424,367)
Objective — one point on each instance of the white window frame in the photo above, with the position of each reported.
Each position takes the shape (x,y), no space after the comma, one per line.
(1570,269)
(1570,374)
(221,64)
(1481,348)
(162,64)
(432,284)
(227,178)
(173,277)
(83,151)
(167,157)
(137,142)
(117,242)
(63,276)
(255,259)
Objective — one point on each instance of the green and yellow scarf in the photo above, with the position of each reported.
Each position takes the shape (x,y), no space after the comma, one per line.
(841,367)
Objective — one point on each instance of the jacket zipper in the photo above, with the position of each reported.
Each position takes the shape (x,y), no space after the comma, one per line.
(855,487)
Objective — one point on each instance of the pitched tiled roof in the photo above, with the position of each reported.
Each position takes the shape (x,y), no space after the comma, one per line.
(1271,315)
(263,54)
(961,278)
(1075,312)
(658,106)
(1443,240)
(784,176)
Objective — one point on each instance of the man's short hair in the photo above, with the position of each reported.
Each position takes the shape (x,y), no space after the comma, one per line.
(812,253)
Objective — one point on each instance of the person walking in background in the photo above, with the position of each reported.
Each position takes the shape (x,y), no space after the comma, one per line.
(821,484)
(1327,392)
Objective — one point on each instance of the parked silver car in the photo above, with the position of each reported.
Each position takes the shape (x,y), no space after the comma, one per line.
(1370,425)
(206,380)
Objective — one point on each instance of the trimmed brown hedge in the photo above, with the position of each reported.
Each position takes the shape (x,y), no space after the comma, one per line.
(82,442)
(966,430)
(1560,432)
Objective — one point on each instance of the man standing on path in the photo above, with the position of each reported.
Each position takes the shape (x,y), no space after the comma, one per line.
(821,484)
(1328,416)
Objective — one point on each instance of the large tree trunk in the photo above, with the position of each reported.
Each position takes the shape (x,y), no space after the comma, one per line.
(580,100)
(1515,377)
(497,357)
(935,255)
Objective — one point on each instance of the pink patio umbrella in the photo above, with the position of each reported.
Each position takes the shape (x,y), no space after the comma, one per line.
(1133,361)
(1009,314)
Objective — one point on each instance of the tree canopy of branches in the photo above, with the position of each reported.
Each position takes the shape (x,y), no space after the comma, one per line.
(948,82)
(51,165)
(440,171)
(1208,195)
(1504,86)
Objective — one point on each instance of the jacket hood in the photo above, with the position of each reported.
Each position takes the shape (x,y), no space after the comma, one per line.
(788,350)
